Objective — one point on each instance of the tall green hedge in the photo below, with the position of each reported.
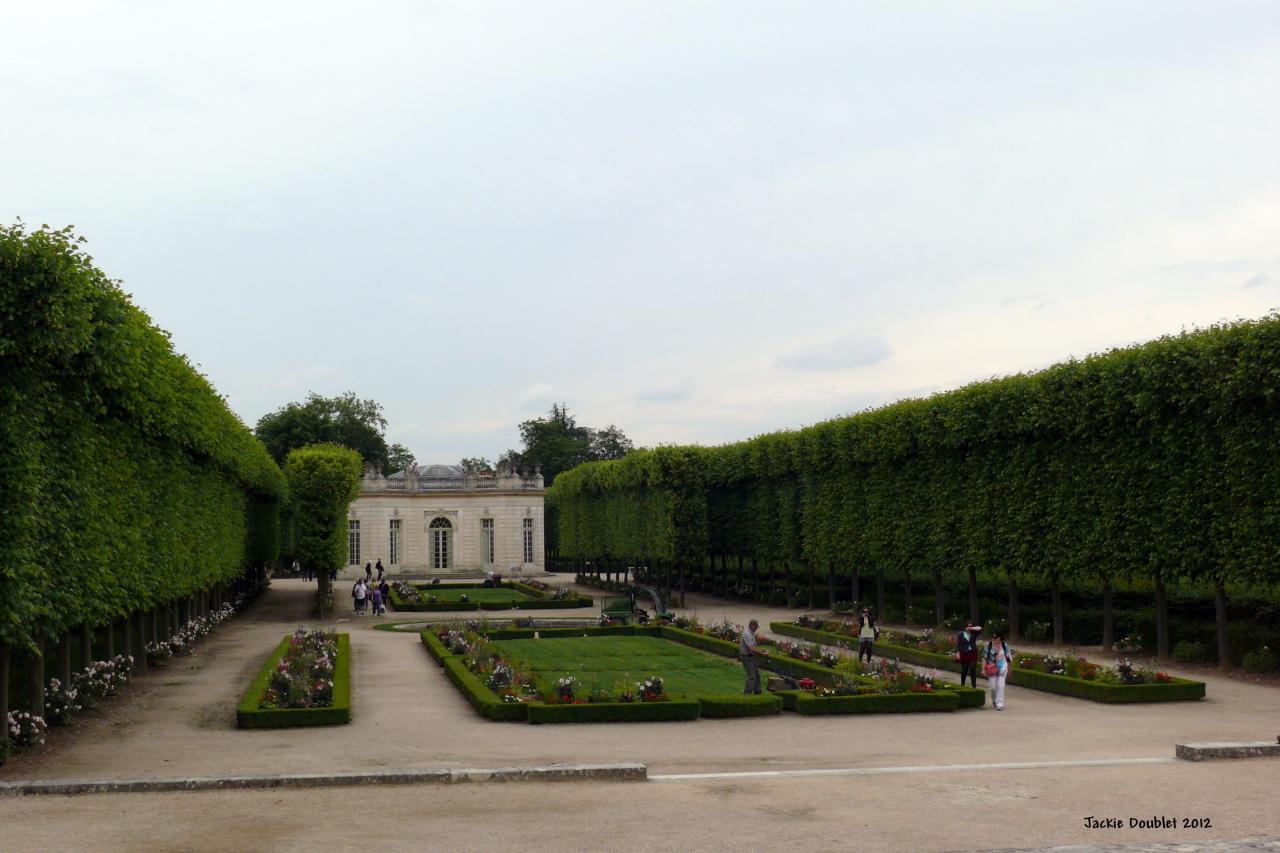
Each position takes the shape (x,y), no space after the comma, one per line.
(323,481)
(125,481)
(1156,461)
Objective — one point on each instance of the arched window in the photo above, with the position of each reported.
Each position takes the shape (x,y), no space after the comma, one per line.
(440,532)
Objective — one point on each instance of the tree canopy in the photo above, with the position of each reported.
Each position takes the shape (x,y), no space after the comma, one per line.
(345,420)
(557,443)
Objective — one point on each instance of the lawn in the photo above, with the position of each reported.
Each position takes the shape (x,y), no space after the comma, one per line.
(615,661)
(476,594)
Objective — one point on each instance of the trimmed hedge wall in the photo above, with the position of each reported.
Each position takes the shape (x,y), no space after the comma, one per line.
(466,606)
(1154,462)
(1177,690)
(249,716)
(121,468)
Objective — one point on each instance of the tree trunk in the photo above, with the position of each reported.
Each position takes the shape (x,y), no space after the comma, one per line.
(1220,615)
(939,600)
(773,582)
(127,636)
(35,683)
(1056,587)
(1014,633)
(854,592)
(879,595)
(906,597)
(1162,620)
(738,591)
(4,699)
(831,588)
(109,640)
(1108,618)
(138,629)
(786,581)
(64,661)
(86,646)
(810,576)
(682,583)
(973,596)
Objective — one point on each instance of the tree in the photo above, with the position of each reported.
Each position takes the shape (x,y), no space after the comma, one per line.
(557,443)
(323,481)
(477,465)
(399,458)
(346,420)
(609,443)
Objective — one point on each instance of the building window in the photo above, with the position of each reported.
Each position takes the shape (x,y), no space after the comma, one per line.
(393,547)
(528,540)
(486,540)
(353,543)
(441,532)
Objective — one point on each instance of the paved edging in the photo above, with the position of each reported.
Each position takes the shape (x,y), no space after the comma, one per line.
(1227,749)
(541,773)
(920,768)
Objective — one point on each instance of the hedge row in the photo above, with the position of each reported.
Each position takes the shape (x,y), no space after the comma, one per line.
(122,471)
(465,606)
(804,702)
(1176,690)
(1154,462)
(249,716)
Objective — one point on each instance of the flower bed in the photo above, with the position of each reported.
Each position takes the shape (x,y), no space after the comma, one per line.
(306,682)
(462,597)
(1046,673)
(473,655)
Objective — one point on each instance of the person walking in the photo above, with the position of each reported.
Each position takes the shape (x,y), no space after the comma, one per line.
(368,571)
(868,633)
(375,595)
(967,651)
(385,589)
(997,661)
(748,650)
(297,569)
(355,595)
(380,569)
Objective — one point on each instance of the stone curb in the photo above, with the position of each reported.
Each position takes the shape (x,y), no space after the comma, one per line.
(543,773)
(1226,749)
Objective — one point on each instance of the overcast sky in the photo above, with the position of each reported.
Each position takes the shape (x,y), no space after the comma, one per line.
(699,221)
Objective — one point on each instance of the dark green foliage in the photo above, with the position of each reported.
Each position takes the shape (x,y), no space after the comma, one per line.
(615,712)
(323,481)
(248,716)
(739,705)
(345,420)
(125,481)
(899,703)
(1263,660)
(1189,652)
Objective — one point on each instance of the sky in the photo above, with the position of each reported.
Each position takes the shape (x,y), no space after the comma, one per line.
(697,221)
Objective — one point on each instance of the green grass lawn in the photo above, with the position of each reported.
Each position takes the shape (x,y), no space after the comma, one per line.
(445,593)
(615,661)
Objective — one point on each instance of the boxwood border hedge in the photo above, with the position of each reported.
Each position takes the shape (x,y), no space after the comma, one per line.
(468,606)
(1176,690)
(250,716)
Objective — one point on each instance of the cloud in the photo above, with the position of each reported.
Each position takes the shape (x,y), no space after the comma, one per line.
(537,395)
(853,350)
(1259,280)
(671,392)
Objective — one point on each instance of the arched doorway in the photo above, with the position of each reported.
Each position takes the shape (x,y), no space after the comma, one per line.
(440,534)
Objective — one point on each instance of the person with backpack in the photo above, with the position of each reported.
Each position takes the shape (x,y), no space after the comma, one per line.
(967,652)
(997,661)
(868,633)
(368,571)
(380,569)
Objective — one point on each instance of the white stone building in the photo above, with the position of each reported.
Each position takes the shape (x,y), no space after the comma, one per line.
(439,518)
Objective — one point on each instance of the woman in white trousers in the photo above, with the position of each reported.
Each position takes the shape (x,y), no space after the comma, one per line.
(997,654)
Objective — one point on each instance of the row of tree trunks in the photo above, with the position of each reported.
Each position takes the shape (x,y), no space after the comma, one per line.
(134,632)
